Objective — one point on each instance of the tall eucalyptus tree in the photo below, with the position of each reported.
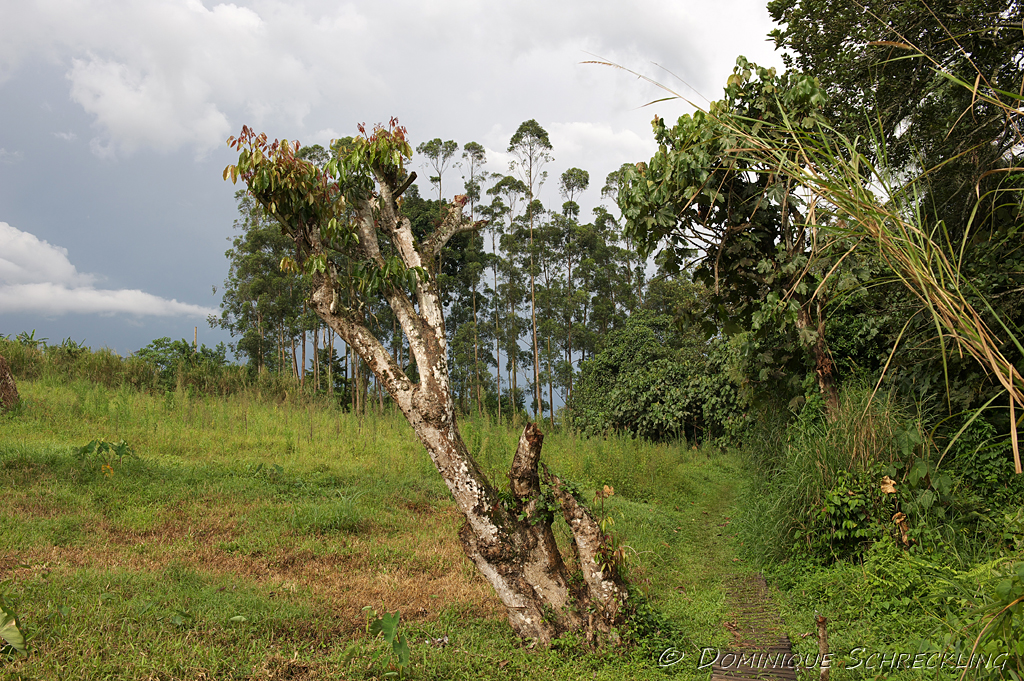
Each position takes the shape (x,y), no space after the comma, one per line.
(532,151)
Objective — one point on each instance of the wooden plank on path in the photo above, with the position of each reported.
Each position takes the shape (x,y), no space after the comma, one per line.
(761,650)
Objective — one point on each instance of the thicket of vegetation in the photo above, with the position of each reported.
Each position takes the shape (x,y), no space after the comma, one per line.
(857,223)
(163,365)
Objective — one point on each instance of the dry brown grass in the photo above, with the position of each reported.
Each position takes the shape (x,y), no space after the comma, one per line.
(416,574)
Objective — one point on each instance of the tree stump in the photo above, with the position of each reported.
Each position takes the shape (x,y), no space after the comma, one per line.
(8,389)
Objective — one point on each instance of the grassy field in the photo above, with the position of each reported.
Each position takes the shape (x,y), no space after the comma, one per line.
(246,540)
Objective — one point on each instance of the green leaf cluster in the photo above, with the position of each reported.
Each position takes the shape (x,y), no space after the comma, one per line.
(387,626)
(169,358)
(12,636)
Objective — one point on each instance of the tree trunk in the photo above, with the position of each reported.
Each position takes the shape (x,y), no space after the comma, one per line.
(572,290)
(551,386)
(519,557)
(513,546)
(295,360)
(351,369)
(476,359)
(812,336)
(497,338)
(316,358)
(260,360)
(8,388)
(538,414)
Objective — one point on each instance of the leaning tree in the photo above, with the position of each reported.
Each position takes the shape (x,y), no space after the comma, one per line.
(357,248)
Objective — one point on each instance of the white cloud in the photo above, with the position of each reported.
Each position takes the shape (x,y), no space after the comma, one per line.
(597,144)
(10,157)
(57,299)
(25,259)
(138,109)
(323,137)
(66,136)
(169,74)
(38,277)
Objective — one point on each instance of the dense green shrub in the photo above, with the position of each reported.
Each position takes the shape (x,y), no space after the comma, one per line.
(651,381)
(983,463)
(819,491)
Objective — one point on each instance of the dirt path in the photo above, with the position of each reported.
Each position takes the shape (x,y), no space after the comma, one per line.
(760,647)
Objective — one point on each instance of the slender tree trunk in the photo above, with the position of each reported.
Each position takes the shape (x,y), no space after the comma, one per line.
(302,374)
(572,292)
(497,335)
(539,413)
(476,360)
(364,381)
(551,386)
(351,369)
(261,360)
(357,377)
(295,361)
(823,367)
(514,378)
(330,364)
(316,358)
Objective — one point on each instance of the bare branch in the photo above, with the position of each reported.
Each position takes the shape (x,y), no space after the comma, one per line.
(405,185)
(454,223)
(363,342)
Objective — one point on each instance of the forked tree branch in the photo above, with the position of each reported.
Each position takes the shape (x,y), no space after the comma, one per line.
(454,223)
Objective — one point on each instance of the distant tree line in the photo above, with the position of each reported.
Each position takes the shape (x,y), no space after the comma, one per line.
(527,299)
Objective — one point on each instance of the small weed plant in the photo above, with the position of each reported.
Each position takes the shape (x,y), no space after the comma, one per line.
(386,626)
(12,636)
(611,555)
(105,453)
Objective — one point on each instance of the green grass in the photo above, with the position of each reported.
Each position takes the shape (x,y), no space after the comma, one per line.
(244,538)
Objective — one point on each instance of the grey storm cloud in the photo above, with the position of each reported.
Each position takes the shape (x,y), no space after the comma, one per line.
(171,74)
(116,114)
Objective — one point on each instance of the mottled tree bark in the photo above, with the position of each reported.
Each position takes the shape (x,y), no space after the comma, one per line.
(8,388)
(511,543)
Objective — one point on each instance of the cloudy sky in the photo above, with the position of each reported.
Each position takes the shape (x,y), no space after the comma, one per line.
(114,114)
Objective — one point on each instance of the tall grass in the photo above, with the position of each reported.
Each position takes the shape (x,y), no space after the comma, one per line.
(789,506)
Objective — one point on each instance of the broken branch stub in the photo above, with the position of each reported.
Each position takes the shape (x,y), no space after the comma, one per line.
(8,389)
